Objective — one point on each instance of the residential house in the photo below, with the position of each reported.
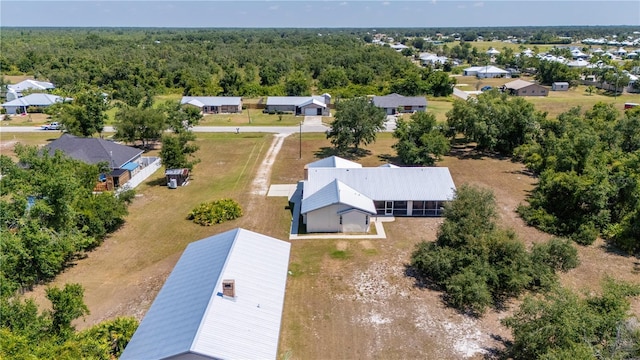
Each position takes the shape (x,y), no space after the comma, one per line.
(214,104)
(123,161)
(22,104)
(15,91)
(560,86)
(525,88)
(399,47)
(299,105)
(344,197)
(223,300)
(492,52)
(396,103)
(484,72)
(432,59)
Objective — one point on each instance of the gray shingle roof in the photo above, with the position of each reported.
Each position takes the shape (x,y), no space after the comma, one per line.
(93,150)
(396,100)
(189,317)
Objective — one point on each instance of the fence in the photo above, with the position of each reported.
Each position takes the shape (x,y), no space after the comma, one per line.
(149,165)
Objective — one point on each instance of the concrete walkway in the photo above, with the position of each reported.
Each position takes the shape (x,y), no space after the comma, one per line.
(380,234)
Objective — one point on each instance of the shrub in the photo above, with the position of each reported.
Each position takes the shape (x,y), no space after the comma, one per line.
(215,212)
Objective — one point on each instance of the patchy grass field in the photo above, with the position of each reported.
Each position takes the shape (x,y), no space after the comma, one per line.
(251,118)
(346,299)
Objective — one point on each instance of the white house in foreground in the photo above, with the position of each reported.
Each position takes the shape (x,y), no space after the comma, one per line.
(343,198)
(223,300)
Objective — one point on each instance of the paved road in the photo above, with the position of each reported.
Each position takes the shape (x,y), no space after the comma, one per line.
(390,126)
(229,129)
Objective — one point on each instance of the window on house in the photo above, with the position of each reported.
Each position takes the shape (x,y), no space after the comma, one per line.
(340,219)
(366,220)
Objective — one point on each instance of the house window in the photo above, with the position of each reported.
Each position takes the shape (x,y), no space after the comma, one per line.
(366,220)
(340,219)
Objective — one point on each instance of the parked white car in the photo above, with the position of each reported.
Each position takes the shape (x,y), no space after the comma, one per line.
(51,126)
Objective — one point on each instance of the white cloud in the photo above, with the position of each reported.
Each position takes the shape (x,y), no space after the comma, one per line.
(461,6)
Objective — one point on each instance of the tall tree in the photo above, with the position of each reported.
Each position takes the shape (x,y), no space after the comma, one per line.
(357,121)
(420,141)
(178,150)
(296,84)
(84,116)
(137,124)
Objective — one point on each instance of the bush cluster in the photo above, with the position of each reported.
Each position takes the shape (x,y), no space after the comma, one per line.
(215,212)
(479,265)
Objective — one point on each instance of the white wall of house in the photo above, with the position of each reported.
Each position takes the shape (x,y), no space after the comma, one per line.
(327,220)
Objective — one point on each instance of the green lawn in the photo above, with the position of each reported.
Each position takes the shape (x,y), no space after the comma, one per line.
(251,118)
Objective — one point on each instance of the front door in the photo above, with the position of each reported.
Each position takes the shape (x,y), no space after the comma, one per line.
(388,207)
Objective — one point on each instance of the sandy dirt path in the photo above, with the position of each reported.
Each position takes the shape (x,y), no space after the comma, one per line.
(260,184)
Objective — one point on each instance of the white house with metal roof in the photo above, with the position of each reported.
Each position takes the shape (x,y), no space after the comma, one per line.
(223,300)
(15,91)
(214,104)
(299,105)
(394,103)
(343,199)
(485,72)
(21,104)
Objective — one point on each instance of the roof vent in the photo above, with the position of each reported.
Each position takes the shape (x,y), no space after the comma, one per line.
(229,288)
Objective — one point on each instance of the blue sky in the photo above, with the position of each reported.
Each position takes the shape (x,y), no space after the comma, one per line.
(296,13)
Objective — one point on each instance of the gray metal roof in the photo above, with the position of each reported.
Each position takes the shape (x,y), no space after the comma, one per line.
(36,99)
(292,100)
(337,192)
(31,85)
(94,150)
(396,100)
(189,317)
(211,100)
(333,161)
(387,183)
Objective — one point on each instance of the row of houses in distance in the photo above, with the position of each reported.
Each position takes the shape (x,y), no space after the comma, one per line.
(302,105)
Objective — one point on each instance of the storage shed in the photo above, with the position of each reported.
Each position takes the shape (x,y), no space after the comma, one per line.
(560,86)
(177,177)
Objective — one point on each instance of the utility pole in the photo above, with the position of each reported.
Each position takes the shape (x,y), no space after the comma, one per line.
(300,146)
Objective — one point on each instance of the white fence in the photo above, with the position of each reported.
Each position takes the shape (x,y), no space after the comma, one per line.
(149,165)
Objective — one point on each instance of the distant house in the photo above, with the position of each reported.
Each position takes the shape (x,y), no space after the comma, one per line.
(21,104)
(214,104)
(485,72)
(560,86)
(399,47)
(16,90)
(223,300)
(395,103)
(525,88)
(342,196)
(492,52)
(123,161)
(432,59)
(299,105)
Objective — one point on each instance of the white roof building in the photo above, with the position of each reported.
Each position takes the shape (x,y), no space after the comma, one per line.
(223,300)
(30,85)
(331,193)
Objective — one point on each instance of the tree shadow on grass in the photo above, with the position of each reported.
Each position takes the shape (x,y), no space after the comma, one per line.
(390,159)
(349,154)
(612,248)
